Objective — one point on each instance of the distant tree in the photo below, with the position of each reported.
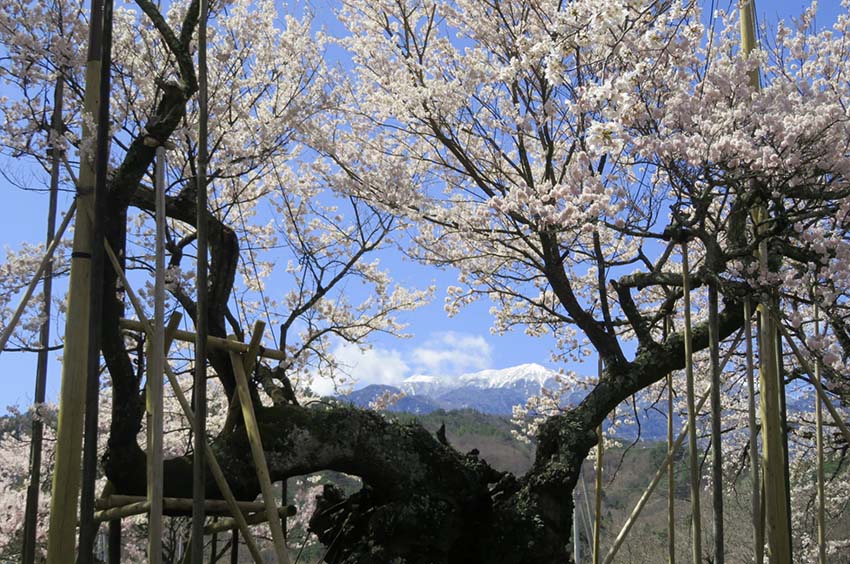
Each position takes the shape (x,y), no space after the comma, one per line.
(552,152)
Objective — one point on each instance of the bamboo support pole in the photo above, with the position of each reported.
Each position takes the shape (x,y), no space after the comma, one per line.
(121,511)
(671,478)
(255,518)
(39,273)
(597,516)
(821,509)
(671,474)
(576,537)
(69,436)
(155,375)
(199,390)
(39,396)
(215,468)
(182,505)
(659,474)
(256,443)
(88,527)
(696,528)
(716,432)
(212,341)
(775,484)
(758,531)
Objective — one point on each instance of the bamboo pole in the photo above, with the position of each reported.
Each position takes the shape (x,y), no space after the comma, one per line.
(200,384)
(88,527)
(181,504)
(256,443)
(716,432)
(671,475)
(644,498)
(696,526)
(114,549)
(39,273)
(758,532)
(213,342)
(215,468)
(597,517)
(155,374)
(39,396)
(821,509)
(255,518)
(69,435)
(777,528)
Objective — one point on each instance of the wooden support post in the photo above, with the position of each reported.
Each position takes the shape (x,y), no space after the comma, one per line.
(234,546)
(39,396)
(693,454)
(644,498)
(755,509)
(114,556)
(600,450)
(256,442)
(215,469)
(671,475)
(775,485)
(821,509)
(199,389)
(156,370)
(716,432)
(66,471)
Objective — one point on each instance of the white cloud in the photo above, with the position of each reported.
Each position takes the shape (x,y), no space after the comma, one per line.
(372,366)
(445,354)
(452,353)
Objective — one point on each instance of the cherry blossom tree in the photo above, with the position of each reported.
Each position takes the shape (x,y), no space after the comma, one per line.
(557,154)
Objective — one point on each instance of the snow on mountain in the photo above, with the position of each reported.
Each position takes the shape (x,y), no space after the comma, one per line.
(515,376)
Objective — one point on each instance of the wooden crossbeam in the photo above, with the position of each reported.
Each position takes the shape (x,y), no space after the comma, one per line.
(212,342)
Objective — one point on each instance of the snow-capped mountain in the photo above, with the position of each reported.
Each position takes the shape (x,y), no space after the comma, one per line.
(489,391)
(529,378)
(493,391)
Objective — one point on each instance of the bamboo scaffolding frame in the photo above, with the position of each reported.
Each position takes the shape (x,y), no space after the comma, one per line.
(256,443)
(39,273)
(215,469)
(644,498)
(212,341)
(696,527)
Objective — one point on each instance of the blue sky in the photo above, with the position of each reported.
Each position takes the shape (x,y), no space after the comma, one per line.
(440,345)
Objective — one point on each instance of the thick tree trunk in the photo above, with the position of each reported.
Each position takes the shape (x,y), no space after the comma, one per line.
(422,501)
